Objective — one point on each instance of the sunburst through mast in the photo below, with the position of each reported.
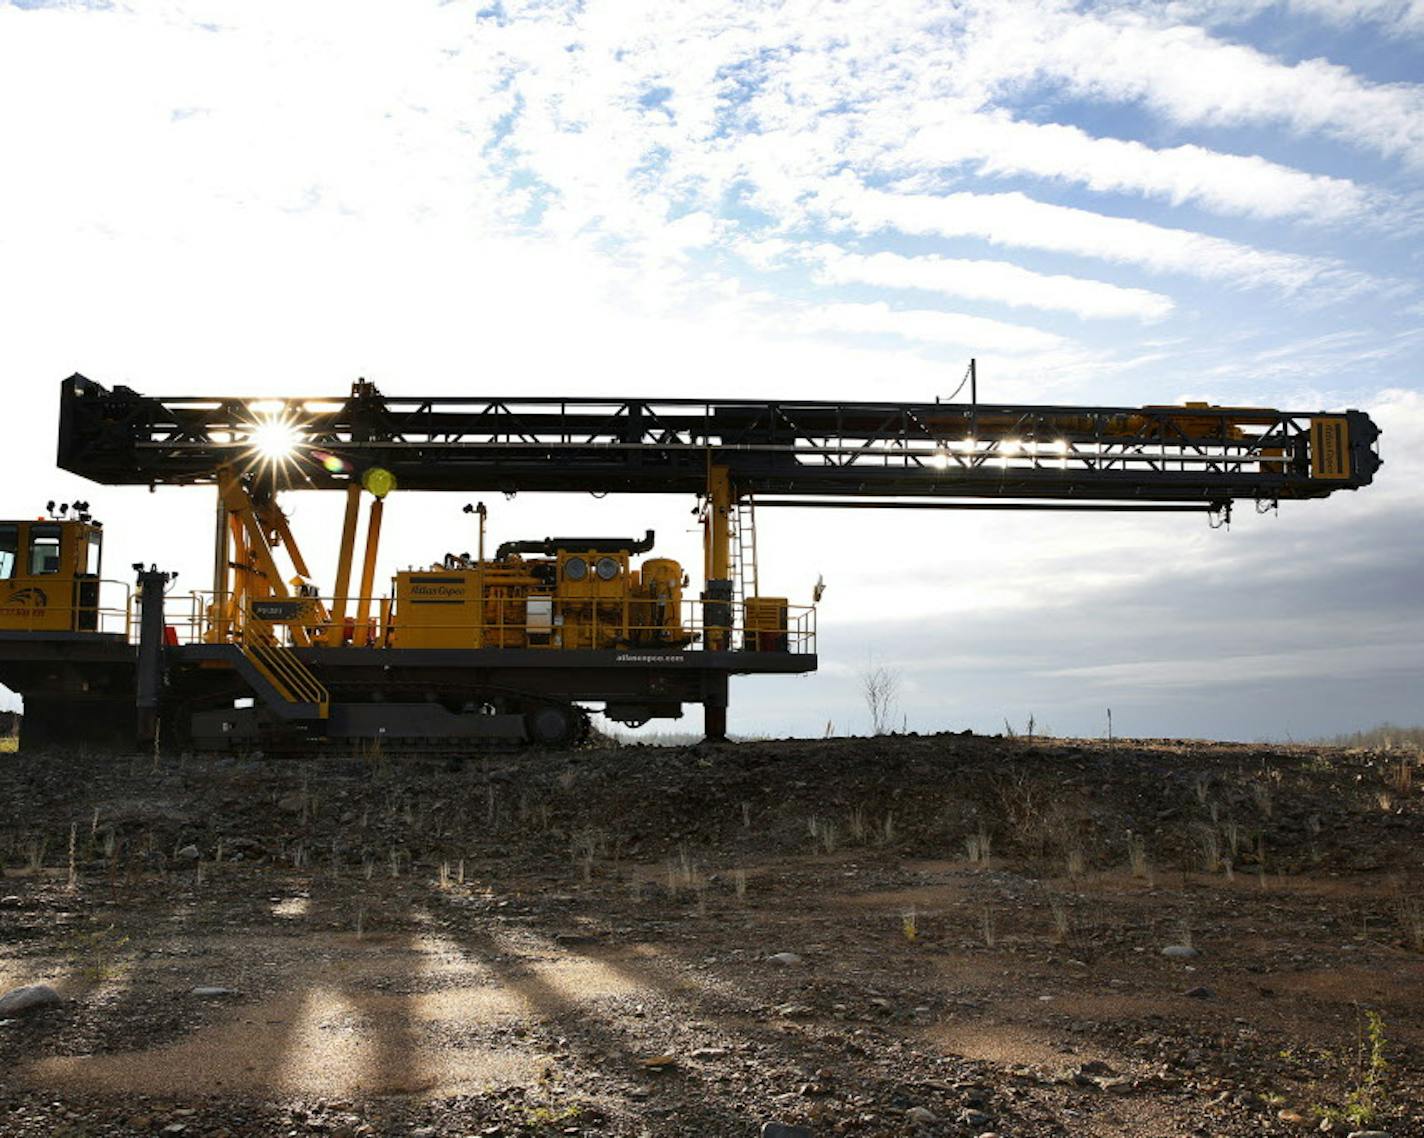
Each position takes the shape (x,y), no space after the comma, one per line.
(274,441)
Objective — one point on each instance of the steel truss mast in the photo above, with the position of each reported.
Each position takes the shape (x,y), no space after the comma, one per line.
(1190,454)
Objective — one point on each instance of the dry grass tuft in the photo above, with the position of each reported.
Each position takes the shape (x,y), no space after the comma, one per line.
(1409,910)
(1062,922)
(1137,857)
(977,847)
(1210,844)
(855,824)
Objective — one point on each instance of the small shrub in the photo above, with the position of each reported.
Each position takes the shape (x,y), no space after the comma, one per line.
(1367,1097)
(97,952)
(880,687)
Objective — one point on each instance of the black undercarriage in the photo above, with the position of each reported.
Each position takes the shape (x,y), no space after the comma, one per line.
(79,692)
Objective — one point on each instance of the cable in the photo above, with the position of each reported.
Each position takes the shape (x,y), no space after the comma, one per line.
(967,372)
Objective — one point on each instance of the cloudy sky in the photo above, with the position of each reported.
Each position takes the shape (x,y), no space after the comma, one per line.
(1121,203)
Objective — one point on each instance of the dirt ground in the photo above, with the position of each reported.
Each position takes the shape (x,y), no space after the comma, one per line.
(595,942)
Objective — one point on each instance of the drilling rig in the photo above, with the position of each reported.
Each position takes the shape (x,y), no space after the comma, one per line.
(518,646)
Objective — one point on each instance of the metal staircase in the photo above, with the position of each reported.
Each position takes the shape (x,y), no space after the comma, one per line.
(288,686)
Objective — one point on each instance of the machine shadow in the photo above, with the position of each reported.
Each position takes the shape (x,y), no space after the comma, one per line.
(599,1043)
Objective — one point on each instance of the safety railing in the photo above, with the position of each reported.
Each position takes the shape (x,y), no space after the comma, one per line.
(559,625)
(68,605)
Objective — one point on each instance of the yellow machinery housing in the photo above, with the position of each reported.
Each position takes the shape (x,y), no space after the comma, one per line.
(765,624)
(577,598)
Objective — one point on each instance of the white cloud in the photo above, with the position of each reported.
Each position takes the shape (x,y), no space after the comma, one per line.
(1230,669)
(1191,77)
(929,326)
(1017,221)
(1394,17)
(997,281)
(1190,174)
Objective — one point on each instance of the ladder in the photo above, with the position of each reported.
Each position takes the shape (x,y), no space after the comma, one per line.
(744,558)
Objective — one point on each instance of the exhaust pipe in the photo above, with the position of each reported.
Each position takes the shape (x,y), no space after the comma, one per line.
(551,545)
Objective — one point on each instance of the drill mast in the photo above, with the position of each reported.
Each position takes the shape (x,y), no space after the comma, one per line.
(1191,454)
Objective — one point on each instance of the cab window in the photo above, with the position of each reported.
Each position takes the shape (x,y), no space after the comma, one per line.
(44,550)
(91,566)
(9,547)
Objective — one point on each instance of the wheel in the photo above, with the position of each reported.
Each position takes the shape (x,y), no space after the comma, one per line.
(553,725)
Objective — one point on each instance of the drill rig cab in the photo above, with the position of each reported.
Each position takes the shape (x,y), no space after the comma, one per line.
(64,630)
(50,572)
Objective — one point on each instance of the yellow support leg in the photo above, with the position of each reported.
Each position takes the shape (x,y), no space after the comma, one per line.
(337,631)
(717,557)
(368,574)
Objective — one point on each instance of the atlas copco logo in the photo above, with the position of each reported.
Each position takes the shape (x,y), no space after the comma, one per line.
(27,598)
(437,591)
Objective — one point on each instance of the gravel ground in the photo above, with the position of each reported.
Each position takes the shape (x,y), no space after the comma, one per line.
(942,935)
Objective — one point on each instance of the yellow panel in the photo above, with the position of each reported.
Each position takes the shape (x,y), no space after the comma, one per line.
(37,604)
(436,609)
(765,614)
(1329,447)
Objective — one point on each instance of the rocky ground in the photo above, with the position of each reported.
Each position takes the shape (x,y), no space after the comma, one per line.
(942,935)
